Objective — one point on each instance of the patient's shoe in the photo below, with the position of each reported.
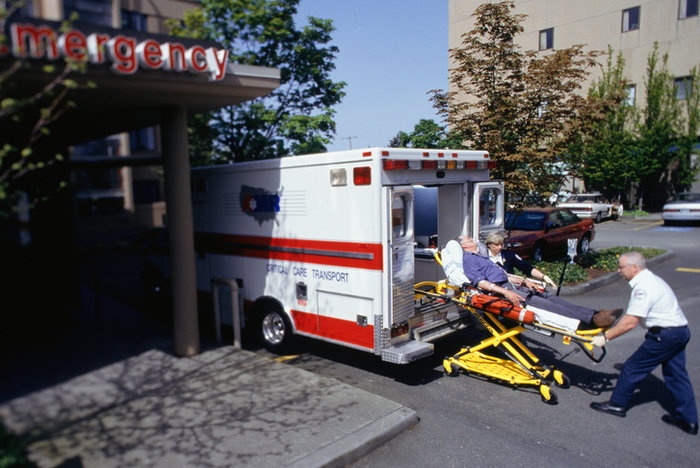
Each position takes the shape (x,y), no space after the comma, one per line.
(606,318)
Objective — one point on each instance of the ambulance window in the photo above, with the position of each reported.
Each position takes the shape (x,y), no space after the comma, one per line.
(488,207)
(398,216)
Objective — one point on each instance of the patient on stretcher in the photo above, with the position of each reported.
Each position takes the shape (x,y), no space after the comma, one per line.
(462,264)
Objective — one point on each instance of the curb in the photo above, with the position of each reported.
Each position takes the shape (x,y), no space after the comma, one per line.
(352,447)
(609,278)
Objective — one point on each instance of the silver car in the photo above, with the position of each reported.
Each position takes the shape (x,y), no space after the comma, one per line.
(684,207)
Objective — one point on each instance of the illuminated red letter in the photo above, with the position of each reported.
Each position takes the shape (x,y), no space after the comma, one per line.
(121,49)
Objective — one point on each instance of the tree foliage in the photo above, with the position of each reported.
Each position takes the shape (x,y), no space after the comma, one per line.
(426,134)
(518,105)
(658,131)
(602,145)
(688,167)
(26,115)
(618,147)
(296,118)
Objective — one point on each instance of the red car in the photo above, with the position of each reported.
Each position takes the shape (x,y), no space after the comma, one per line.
(543,233)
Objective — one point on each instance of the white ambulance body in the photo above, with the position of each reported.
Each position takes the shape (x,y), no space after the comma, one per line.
(323,245)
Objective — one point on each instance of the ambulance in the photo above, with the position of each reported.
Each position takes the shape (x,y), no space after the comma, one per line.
(325,246)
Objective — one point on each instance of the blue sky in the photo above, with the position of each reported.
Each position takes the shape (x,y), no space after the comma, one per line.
(392,52)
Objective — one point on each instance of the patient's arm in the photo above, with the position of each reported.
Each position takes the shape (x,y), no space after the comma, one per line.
(512,296)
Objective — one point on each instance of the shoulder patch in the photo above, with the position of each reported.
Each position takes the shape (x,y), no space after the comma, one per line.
(639,295)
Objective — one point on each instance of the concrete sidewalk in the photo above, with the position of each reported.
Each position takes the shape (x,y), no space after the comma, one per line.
(224,407)
(106,391)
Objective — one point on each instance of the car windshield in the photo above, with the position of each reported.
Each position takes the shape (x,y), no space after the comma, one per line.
(687,197)
(581,198)
(525,220)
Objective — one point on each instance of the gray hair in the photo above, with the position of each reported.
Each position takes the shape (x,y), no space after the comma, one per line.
(495,237)
(635,258)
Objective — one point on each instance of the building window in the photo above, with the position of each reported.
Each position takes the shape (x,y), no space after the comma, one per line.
(93,11)
(630,19)
(683,86)
(134,20)
(546,39)
(146,191)
(631,95)
(687,8)
(142,140)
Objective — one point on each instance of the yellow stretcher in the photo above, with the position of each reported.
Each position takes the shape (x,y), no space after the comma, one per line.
(504,321)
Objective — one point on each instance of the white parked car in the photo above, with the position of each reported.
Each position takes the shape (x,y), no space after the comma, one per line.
(590,206)
(683,207)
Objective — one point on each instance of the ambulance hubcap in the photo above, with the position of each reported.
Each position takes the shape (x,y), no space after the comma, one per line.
(273,328)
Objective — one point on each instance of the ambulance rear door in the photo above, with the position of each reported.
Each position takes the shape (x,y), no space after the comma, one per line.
(488,211)
(401,258)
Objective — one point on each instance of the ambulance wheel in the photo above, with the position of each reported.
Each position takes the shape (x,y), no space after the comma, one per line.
(275,330)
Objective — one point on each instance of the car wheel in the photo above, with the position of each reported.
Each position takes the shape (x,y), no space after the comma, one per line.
(584,245)
(538,252)
(275,330)
(598,217)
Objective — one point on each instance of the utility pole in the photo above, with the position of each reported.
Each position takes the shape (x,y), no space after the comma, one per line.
(349,138)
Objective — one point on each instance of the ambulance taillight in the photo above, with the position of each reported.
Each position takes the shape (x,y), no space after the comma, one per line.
(362,175)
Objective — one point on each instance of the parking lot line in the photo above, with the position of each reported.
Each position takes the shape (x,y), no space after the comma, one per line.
(688,270)
(646,226)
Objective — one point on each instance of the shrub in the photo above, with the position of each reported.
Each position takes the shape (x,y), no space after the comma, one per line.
(12,451)
(604,260)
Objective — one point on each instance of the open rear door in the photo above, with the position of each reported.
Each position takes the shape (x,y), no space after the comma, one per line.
(401,259)
(488,210)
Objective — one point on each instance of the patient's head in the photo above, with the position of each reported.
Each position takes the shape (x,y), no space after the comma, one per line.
(468,243)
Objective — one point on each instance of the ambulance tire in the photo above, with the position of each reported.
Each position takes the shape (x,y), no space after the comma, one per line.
(275,330)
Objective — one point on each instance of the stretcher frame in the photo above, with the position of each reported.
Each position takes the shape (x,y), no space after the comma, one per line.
(520,366)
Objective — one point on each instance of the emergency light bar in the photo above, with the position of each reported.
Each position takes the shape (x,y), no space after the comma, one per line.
(397,164)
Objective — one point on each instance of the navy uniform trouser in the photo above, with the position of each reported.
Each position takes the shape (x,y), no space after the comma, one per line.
(553,303)
(665,347)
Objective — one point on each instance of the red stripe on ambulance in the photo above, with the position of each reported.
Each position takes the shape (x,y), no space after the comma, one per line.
(342,254)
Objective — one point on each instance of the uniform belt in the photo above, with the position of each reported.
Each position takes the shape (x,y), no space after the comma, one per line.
(656,330)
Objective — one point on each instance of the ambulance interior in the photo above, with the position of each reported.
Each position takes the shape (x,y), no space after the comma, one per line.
(433,227)
(440,214)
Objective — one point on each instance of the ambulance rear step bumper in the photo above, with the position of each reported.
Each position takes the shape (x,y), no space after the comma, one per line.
(407,352)
(440,329)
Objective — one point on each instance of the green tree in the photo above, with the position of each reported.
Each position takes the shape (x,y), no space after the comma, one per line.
(516,105)
(26,116)
(659,131)
(687,169)
(426,134)
(297,118)
(602,145)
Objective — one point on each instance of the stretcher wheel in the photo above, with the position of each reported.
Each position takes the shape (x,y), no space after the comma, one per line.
(561,380)
(451,370)
(547,395)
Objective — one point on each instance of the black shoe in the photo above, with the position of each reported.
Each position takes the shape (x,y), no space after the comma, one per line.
(690,428)
(607,407)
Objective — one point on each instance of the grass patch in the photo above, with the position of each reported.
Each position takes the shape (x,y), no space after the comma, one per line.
(592,264)
(12,451)
(634,213)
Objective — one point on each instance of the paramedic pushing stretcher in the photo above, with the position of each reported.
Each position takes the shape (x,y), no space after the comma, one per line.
(492,278)
(654,306)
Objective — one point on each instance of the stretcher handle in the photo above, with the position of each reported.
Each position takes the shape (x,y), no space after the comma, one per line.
(589,350)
